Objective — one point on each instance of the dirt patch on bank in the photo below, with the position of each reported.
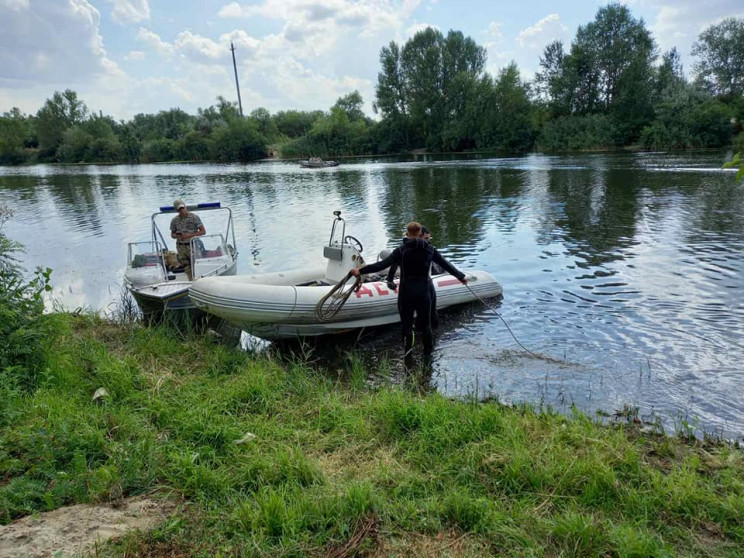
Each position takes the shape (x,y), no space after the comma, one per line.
(75,530)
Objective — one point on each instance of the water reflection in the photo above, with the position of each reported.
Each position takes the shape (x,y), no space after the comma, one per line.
(627,266)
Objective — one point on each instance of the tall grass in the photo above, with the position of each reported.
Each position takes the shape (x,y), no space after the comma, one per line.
(273,458)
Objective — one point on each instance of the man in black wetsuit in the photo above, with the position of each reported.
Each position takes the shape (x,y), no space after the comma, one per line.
(435,269)
(414,257)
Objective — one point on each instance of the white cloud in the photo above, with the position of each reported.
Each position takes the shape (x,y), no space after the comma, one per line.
(680,23)
(130,11)
(537,36)
(49,42)
(135,55)
(154,41)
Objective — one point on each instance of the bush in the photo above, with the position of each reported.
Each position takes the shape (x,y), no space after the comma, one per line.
(574,133)
(21,307)
(158,150)
(238,141)
(688,118)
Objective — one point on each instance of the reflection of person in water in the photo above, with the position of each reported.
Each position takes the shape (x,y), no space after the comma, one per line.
(414,257)
(435,270)
(184,227)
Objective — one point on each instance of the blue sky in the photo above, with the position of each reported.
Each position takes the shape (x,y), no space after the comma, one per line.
(124,57)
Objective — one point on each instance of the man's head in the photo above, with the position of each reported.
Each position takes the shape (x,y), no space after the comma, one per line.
(425,234)
(413,229)
(179,206)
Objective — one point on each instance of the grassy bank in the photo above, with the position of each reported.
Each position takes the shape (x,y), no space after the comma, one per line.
(329,467)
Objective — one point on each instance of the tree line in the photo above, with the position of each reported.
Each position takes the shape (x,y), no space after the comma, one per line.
(609,88)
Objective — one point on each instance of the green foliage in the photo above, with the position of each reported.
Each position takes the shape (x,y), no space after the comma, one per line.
(22,327)
(157,150)
(687,117)
(571,133)
(330,467)
(736,162)
(607,71)
(720,52)
(294,123)
(58,114)
(17,133)
(238,141)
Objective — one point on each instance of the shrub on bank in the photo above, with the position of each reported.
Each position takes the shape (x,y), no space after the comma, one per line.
(22,327)
(577,133)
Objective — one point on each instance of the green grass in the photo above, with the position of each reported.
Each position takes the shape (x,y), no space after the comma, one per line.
(336,468)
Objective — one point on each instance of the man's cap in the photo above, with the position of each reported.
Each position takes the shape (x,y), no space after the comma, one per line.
(424,230)
(178,204)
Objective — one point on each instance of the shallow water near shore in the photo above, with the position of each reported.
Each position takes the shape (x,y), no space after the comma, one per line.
(628,267)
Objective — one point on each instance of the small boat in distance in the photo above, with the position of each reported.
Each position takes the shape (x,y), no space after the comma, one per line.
(282,305)
(153,275)
(317,163)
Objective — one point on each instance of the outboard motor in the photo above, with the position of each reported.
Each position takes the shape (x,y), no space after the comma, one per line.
(342,252)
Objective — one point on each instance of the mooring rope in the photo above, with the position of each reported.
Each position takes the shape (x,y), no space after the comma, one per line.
(492,309)
(337,296)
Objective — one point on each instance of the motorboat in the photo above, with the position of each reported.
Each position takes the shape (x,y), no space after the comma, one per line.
(317,163)
(154,276)
(283,305)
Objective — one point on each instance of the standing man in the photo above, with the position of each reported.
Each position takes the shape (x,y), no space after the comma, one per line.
(435,269)
(184,227)
(414,257)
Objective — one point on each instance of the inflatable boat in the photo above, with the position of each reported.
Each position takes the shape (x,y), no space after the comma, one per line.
(153,275)
(283,305)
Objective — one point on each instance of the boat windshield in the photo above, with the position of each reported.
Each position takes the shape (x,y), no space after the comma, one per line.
(144,254)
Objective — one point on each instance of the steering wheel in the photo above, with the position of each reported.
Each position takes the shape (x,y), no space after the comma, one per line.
(348,239)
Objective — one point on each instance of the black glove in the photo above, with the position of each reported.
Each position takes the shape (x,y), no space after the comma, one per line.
(392,286)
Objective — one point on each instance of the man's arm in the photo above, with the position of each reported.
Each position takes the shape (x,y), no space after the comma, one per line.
(393,258)
(451,269)
(391,277)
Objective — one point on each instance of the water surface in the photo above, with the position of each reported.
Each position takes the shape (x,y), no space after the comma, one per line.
(628,266)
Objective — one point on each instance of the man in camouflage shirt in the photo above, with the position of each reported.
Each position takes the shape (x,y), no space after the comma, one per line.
(183,227)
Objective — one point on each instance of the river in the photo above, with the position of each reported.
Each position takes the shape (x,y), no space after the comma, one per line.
(627,266)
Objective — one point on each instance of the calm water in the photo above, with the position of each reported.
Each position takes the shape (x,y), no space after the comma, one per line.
(628,266)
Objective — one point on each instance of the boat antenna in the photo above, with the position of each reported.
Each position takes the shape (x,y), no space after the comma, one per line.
(237,85)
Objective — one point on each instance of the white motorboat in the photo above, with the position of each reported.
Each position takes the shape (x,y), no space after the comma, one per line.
(153,275)
(282,305)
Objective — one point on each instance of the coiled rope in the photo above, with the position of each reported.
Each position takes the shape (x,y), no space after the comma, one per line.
(331,303)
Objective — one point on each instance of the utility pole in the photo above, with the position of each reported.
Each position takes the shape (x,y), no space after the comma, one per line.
(235,67)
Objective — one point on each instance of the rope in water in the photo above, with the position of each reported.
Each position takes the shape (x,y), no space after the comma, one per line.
(337,296)
(492,309)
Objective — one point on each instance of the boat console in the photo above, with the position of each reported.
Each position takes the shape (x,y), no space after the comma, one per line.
(343,252)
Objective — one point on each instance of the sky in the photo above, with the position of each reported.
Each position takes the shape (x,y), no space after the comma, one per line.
(125,57)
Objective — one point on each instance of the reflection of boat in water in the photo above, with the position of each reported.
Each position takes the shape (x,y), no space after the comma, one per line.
(153,275)
(317,163)
(282,305)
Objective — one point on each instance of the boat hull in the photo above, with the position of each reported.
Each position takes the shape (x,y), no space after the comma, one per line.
(168,295)
(263,307)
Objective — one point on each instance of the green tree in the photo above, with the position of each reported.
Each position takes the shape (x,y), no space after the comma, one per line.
(421,84)
(720,52)
(264,124)
(295,123)
(238,141)
(352,105)
(16,133)
(58,114)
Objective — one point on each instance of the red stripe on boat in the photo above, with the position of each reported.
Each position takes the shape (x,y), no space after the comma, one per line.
(448,282)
